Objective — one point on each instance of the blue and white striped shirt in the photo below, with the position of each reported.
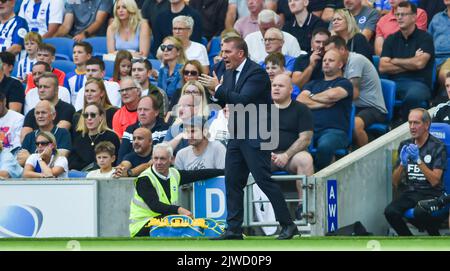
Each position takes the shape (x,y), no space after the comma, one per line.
(75,82)
(40,15)
(25,66)
(12,32)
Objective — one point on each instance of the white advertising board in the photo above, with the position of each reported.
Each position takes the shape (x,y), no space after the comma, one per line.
(48,209)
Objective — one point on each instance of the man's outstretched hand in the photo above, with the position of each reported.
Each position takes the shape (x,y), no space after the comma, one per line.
(210,82)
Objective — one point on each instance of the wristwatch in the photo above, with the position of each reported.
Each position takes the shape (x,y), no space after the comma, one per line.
(130,173)
(86,34)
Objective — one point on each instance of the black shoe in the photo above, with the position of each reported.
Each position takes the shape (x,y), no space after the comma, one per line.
(229,235)
(298,212)
(432,205)
(287,232)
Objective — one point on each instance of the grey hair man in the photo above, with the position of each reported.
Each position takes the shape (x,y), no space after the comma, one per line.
(255,41)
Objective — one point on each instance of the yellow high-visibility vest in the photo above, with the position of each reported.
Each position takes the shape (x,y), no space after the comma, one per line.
(140,213)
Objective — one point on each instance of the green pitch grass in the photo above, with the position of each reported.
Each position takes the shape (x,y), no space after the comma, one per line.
(373,243)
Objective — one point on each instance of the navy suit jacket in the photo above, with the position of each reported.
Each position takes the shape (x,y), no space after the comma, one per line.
(252,88)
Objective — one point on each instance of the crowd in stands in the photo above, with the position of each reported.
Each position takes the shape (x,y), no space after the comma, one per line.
(325,59)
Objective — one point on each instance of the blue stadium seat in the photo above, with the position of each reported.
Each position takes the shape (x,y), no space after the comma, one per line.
(279,173)
(63,47)
(64,65)
(98,45)
(214,50)
(441,131)
(204,41)
(156,64)
(15,69)
(109,69)
(376,62)
(341,152)
(433,76)
(389,90)
(76,174)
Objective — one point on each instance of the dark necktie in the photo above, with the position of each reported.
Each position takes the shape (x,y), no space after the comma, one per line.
(233,84)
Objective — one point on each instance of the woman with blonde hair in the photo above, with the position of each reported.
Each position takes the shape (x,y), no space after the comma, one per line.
(95,92)
(46,162)
(128,31)
(91,129)
(173,58)
(196,89)
(344,25)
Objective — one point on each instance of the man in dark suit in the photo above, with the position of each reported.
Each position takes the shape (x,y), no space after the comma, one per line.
(246,84)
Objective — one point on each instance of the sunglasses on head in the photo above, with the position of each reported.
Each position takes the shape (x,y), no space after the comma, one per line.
(42,143)
(138,60)
(91,115)
(168,47)
(192,73)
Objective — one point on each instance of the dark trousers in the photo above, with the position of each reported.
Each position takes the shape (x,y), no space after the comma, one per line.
(407,200)
(144,232)
(241,158)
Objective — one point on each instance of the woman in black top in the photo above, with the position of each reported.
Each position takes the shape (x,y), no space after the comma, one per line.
(91,129)
(345,26)
(95,92)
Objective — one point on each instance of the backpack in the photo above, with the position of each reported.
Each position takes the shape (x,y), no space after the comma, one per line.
(355,229)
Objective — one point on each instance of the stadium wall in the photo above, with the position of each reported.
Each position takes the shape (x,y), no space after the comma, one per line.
(364,189)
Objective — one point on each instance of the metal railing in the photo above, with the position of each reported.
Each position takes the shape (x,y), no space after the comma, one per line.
(307,200)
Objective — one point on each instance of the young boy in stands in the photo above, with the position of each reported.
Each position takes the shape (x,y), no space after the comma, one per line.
(32,42)
(104,154)
(82,52)
(46,52)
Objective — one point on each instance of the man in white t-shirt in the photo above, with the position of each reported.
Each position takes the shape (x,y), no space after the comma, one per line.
(95,68)
(32,97)
(255,41)
(11,123)
(201,153)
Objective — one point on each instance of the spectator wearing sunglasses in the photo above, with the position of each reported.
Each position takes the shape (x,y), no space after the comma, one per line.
(46,162)
(128,30)
(190,71)
(173,58)
(45,113)
(91,129)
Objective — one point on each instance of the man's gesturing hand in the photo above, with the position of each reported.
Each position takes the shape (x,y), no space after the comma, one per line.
(209,82)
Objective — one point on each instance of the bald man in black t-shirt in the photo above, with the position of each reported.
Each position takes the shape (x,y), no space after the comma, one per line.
(295,133)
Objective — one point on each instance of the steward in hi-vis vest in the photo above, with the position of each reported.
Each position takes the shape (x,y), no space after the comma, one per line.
(156,190)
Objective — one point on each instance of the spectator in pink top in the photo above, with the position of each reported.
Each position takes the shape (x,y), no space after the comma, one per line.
(249,24)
